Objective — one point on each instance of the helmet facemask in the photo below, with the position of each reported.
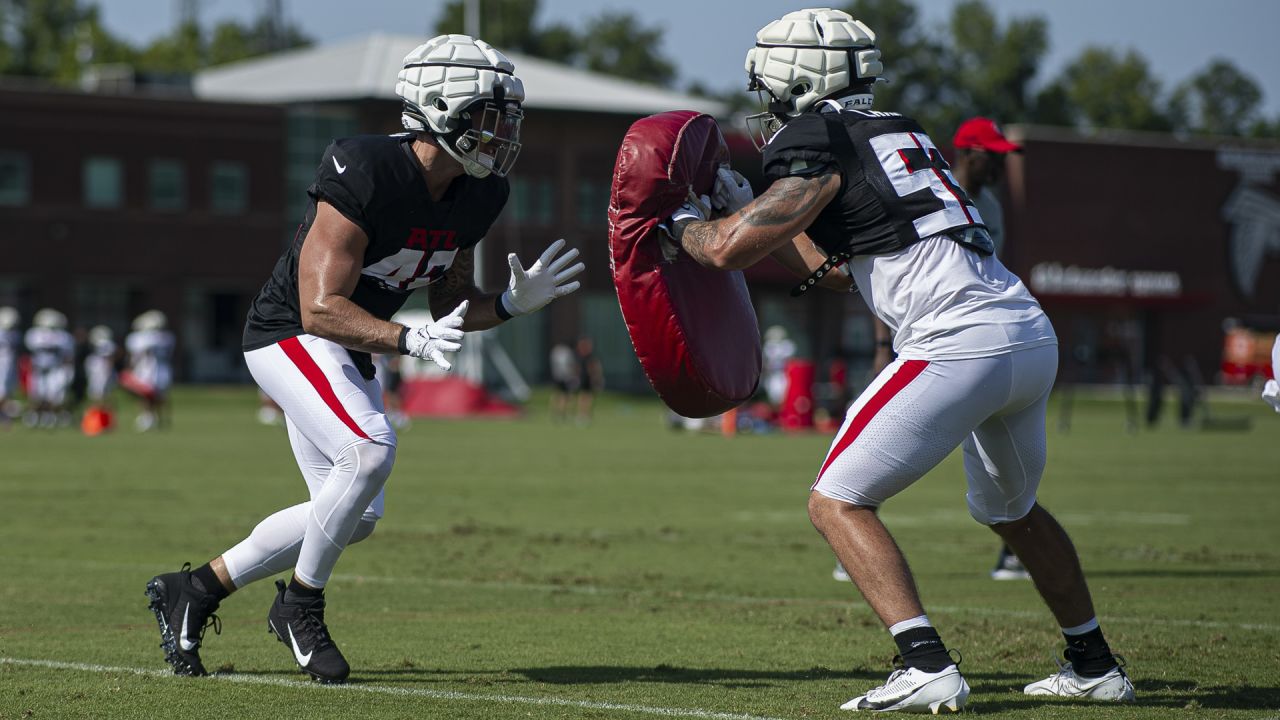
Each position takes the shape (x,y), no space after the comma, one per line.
(491,143)
(762,126)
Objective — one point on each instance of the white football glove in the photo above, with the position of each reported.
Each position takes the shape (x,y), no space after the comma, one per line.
(544,281)
(433,340)
(1271,393)
(693,209)
(731,192)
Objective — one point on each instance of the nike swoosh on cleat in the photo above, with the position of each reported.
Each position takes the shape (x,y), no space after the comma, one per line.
(341,168)
(303,660)
(182,639)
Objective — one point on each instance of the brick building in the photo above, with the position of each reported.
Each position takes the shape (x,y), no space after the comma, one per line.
(114,204)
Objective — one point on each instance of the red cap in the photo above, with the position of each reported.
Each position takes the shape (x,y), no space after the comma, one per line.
(983,134)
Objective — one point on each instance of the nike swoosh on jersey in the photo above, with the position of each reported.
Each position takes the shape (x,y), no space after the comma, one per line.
(186,645)
(303,660)
(341,168)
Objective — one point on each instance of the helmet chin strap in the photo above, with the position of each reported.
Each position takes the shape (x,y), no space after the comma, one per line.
(469,166)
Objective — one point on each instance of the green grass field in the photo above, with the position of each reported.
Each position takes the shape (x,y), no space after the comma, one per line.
(533,570)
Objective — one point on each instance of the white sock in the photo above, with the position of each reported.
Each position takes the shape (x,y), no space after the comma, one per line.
(271,548)
(1082,629)
(273,545)
(915,622)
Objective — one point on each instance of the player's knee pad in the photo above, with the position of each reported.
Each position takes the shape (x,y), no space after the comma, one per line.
(364,529)
(371,462)
(1000,513)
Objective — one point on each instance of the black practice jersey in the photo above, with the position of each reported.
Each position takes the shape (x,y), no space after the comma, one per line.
(896,189)
(376,182)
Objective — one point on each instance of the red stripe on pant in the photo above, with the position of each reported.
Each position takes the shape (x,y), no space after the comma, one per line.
(909,371)
(314,375)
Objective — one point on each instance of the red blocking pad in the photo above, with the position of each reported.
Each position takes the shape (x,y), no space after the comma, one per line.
(694,328)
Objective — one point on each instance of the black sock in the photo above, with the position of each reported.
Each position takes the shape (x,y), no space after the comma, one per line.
(302,592)
(1089,653)
(921,647)
(204,578)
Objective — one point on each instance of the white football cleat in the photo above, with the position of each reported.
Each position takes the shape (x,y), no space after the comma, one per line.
(914,690)
(839,574)
(1115,686)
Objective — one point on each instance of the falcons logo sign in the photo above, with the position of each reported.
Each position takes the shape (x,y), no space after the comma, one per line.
(1253,212)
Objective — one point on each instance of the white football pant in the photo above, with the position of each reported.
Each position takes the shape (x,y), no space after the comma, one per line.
(917,411)
(345,448)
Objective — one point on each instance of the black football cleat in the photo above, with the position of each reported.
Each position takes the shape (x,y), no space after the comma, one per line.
(299,623)
(183,612)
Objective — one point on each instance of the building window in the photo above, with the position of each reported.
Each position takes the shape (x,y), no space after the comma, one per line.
(230,188)
(103,182)
(15,179)
(308,135)
(593,203)
(532,200)
(168,185)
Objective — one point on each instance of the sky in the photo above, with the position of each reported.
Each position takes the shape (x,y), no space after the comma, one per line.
(708,39)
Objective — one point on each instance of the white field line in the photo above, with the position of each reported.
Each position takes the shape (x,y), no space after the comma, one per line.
(395,691)
(759,600)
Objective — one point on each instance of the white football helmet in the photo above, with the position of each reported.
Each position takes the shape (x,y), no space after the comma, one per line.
(99,334)
(805,57)
(8,318)
(50,319)
(466,94)
(150,320)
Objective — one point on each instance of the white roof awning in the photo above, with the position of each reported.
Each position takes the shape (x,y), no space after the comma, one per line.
(366,67)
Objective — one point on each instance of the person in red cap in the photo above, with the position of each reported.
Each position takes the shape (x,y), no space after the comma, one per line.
(979,164)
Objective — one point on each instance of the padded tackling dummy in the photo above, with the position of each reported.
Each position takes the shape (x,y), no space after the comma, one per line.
(693,328)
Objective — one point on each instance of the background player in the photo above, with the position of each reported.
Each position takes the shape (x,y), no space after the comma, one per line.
(980,155)
(387,215)
(976,355)
(150,373)
(52,352)
(10,346)
(100,371)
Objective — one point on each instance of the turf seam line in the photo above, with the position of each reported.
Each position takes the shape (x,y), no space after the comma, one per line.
(390,690)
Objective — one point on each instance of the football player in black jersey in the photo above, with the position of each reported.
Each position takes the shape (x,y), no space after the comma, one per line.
(977,357)
(388,215)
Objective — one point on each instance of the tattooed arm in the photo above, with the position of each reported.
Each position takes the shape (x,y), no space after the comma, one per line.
(741,240)
(459,284)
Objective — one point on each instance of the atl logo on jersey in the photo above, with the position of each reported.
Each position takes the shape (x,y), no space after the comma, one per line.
(424,259)
(431,240)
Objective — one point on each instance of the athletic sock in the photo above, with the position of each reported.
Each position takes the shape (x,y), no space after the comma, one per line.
(299,592)
(1088,651)
(920,645)
(204,578)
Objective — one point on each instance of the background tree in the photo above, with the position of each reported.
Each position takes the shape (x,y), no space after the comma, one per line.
(181,51)
(997,63)
(47,38)
(612,42)
(1218,100)
(189,48)
(913,62)
(1104,89)
(973,65)
(505,24)
(617,44)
